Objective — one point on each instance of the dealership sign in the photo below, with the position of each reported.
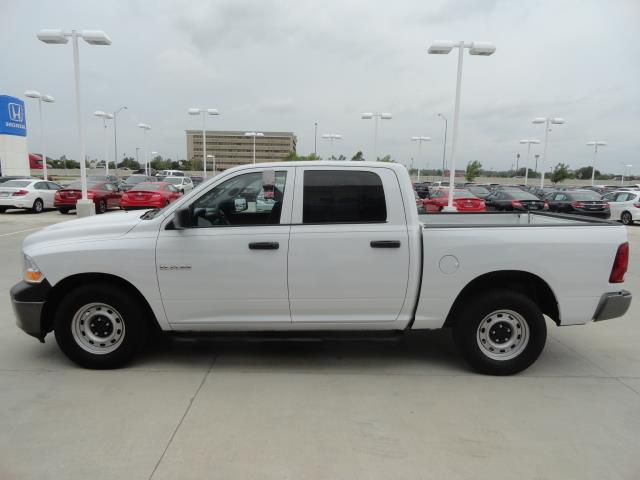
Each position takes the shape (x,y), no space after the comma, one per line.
(12,118)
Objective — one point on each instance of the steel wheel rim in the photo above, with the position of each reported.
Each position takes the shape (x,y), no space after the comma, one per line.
(503,335)
(98,328)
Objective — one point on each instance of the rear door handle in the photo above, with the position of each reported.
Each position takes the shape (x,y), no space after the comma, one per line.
(264,246)
(385,244)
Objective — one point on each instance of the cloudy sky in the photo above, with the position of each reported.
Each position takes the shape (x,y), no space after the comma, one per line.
(285,64)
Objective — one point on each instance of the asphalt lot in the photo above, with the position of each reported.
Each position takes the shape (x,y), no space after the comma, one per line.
(406,409)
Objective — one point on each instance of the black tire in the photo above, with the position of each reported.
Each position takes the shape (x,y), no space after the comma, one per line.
(3,209)
(64,211)
(515,316)
(38,206)
(626,218)
(120,306)
(101,207)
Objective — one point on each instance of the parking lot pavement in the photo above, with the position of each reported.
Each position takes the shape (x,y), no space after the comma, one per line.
(402,409)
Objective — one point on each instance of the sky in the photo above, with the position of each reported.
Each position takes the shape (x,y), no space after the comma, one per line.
(283,65)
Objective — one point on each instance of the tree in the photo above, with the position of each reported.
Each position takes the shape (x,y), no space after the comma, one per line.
(294,157)
(358,157)
(584,173)
(473,170)
(130,163)
(560,173)
(387,159)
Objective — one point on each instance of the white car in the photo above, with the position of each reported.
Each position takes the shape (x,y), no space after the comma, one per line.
(32,194)
(184,184)
(170,173)
(624,205)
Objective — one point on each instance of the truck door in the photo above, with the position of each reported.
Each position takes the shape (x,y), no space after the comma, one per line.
(230,266)
(348,248)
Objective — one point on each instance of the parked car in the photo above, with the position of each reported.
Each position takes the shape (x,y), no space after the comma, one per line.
(133,180)
(478,191)
(149,195)
(29,193)
(422,189)
(170,173)
(419,204)
(463,200)
(113,179)
(542,193)
(579,202)
(624,206)
(184,184)
(197,180)
(104,195)
(15,177)
(512,200)
(354,256)
(35,162)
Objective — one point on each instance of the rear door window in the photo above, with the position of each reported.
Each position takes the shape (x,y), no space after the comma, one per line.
(343,196)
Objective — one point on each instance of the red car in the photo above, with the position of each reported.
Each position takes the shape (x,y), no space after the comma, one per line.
(150,195)
(35,161)
(463,200)
(105,195)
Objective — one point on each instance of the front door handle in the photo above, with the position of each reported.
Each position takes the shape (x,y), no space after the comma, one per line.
(264,246)
(385,244)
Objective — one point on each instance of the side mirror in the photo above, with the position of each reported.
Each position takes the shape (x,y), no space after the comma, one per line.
(182,219)
(240,204)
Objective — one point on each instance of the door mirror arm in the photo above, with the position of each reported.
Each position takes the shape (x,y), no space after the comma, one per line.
(182,218)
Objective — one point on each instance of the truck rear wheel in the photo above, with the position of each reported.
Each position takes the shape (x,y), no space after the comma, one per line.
(500,333)
(100,326)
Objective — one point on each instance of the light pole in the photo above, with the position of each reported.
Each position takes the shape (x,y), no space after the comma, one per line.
(153,155)
(115,136)
(331,137)
(203,112)
(623,172)
(145,128)
(137,150)
(537,156)
(375,117)
(315,139)
(595,144)
(546,121)
(92,37)
(105,116)
(254,135)
(420,140)
(528,142)
(444,144)
(48,99)
(443,48)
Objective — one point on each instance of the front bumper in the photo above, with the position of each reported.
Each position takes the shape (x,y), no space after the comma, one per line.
(612,305)
(27,300)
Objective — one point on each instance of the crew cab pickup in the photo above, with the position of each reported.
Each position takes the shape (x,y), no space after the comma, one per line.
(339,247)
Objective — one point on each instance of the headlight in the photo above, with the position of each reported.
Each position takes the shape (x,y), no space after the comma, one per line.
(32,273)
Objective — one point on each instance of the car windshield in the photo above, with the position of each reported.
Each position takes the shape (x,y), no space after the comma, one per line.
(97,178)
(456,194)
(173,180)
(520,195)
(77,185)
(134,180)
(479,190)
(147,187)
(588,196)
(16,183)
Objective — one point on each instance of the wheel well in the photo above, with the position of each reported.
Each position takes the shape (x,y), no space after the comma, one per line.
(524,282)
(64,286)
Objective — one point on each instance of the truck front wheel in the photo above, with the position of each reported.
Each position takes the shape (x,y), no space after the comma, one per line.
(500,333)
(100,326)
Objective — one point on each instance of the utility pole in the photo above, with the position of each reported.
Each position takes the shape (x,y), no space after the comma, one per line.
(315,139)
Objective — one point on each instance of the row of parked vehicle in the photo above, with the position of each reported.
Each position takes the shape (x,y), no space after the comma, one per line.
(106,191)
(622,203)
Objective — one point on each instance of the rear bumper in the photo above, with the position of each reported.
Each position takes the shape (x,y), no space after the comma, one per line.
(612,305)
(28,300)
(606,214)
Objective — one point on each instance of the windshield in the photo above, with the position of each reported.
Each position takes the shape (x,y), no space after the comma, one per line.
(173,180)
(77,185)
(147,187)
(479,190)
(589,196)
(517,195)
(133,180)
(16,183)
(456,194)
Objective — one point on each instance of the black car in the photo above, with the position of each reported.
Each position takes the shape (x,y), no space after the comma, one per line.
(133,180)
(579,202)
(478,191)
(422,189)
(513,200)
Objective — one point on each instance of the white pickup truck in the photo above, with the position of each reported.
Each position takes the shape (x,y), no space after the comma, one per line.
(318,247)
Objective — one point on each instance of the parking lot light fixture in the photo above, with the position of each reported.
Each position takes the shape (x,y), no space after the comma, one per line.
(47,99)
(105,116)
(546,121)
(375,117)
(145,158)
(420,140)
(203,112)
(92,37)
(254,135)
(595,144)
(443,47)
(332,137)
(528,142)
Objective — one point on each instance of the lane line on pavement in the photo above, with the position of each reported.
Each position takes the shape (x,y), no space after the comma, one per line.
(184,415)
(19,231)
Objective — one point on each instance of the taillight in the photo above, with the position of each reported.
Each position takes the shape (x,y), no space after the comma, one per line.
(606,205)
(90,194)
(516,203)
(546,206)
(577,204)
(19,193)
(637,205)
(620,264)
(155,196)
(57,195)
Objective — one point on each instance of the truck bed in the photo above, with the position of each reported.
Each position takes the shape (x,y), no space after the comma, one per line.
(508,219)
